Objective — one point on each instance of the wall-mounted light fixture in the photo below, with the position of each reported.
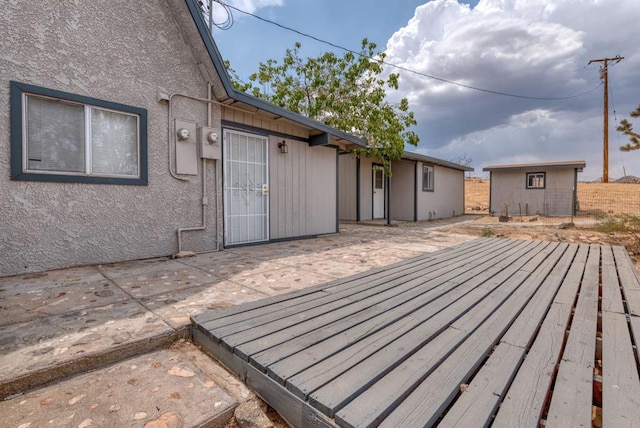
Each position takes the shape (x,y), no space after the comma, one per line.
(283,147)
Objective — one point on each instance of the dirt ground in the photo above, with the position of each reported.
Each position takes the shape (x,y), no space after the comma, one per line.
(477,202)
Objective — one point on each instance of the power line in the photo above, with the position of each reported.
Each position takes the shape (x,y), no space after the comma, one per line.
(400,67)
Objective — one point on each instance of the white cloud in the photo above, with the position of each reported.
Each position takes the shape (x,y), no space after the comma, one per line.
(537,48)
(250,6)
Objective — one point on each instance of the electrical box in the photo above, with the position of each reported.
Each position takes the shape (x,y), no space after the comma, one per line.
(210,143)
(186,147)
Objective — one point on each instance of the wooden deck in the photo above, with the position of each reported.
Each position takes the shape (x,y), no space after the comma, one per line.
(494,332)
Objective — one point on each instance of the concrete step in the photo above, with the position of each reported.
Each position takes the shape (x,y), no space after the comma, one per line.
(178,386)
(36,352)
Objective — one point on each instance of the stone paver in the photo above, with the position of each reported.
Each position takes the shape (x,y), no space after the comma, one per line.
(58,323)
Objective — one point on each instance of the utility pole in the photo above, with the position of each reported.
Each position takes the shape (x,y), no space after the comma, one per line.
(604,75)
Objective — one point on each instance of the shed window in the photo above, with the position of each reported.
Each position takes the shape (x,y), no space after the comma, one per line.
(535,180)
(427,178)
(64,137)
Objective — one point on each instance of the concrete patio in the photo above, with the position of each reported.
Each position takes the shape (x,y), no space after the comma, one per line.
(92,345)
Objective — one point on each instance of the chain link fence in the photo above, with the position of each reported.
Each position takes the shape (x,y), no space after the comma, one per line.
(593,204)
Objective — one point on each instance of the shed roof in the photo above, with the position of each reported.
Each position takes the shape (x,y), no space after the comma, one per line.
(435,161)
(542,165)
(250,100)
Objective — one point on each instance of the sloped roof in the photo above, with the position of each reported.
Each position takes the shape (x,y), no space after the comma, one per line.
(250,100)
(435,161)
(543,165)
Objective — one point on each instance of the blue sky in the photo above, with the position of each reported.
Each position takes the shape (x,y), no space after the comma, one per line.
(536,48)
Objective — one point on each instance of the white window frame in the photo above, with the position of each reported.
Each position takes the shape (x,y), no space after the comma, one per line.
(428,178)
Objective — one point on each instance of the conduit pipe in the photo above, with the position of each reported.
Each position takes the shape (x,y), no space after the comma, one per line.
(172,142)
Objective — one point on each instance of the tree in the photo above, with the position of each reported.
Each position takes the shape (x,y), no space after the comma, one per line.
(463,160)
(347,93)
(626,128)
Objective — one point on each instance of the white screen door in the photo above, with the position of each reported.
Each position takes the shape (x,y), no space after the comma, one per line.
(378,192)
(246,188)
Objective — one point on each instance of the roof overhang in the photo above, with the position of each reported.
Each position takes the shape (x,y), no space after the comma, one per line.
(578,164)
(435,161)
(237,98)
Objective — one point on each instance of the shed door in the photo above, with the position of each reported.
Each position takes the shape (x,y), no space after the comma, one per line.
(378,192)
(246,188)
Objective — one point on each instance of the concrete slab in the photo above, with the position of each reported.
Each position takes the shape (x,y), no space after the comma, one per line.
(175,308)
(281,280)
(38,351)
(165,385)
(44,294)
(162,277)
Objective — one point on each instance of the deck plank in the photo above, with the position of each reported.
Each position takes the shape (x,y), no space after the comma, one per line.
(324,359)
(524,400)
(309,293)
(571,403)
(244,322)
(620,382)
(513,321)
(628,279)
(348,372)
(368,319)
(611,296)
(482,396)
(422,402)
(260,330)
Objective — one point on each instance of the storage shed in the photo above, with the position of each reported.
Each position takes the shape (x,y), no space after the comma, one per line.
(536,188)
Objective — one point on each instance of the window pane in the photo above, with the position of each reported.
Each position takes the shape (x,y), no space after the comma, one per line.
(427,177)
(379,179)
(55,135)
(114,143)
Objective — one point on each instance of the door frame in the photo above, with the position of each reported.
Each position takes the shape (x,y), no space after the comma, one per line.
(376,167)
(225,223)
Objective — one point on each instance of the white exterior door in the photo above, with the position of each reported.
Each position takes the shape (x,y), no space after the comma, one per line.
(246,188)
(378,192)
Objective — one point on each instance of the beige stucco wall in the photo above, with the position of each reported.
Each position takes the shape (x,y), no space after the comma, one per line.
(119,51)
(402,196)
(509,187)
(447,199)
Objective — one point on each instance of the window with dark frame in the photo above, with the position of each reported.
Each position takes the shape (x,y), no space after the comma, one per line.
(62,137)
(536,180)
(427,178)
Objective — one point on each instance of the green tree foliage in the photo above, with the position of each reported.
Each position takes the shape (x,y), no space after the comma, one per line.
(626,128)
(347,93)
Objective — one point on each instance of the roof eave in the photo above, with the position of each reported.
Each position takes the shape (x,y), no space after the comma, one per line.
(236,95)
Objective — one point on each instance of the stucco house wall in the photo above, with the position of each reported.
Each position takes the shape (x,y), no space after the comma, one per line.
(139,54)
(118,51)
(509,192)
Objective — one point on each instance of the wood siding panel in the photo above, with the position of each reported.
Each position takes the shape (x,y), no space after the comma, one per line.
(447,197)
(348,187)
(321,201)
(402,186)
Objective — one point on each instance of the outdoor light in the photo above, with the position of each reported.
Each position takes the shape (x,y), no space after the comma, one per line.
(283,147)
